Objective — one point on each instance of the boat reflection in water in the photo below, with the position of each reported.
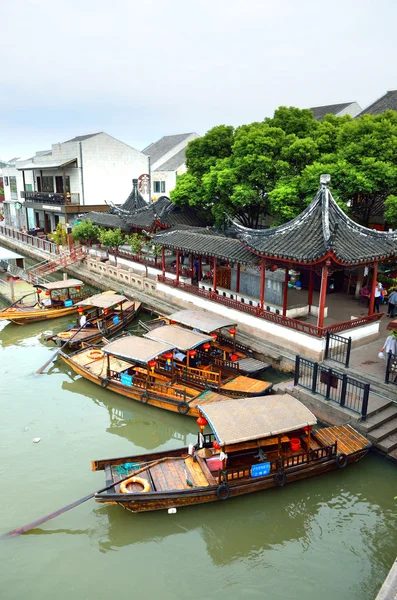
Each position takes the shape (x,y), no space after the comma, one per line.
(136,423)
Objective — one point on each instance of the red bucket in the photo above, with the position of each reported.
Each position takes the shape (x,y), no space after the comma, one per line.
(295,444)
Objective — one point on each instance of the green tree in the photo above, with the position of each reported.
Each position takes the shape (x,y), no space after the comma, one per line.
(86,231)
(136,242)
(111,238)
(59,236)
(391,210)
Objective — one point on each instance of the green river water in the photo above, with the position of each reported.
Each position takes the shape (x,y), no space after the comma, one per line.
(330,537)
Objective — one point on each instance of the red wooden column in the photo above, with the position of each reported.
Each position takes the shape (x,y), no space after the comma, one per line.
(310,294)
(177,266)
(262,284)
(238,278)
(163,260)
(372,298)
(323,293)
(191,269)
(214,280)
(285,300)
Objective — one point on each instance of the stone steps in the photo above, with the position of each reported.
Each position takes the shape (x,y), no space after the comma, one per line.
(388,445)
(381,416)
(383,431)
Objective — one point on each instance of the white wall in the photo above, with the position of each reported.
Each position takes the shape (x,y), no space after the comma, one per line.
(108,169)
(173,151)
(170,182)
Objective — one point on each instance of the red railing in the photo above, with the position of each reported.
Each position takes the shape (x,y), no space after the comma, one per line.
(30,240)
(149,262)
(256,311)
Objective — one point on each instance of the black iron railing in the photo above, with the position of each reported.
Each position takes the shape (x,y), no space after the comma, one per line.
(338,348)
(391,368)
(346,391)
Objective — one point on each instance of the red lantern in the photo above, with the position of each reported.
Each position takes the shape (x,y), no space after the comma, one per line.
(80,310)
(201,422)
(172,322)
(216,445)
(78,288)
(274,268)
(192,353)
(152,365)
(168,356)
(234,357)
(105,311)
(39,291)
(308,428)
(232,331)
(214,336)
(206,346)
(48,293)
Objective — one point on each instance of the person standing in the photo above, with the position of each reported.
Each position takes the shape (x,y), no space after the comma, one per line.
(392,303)
(378,296)
(390,344)
(83,320)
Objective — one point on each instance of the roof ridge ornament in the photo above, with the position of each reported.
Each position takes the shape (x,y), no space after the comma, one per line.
(325,178)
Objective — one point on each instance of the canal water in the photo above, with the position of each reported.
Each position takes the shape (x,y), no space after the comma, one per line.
(331,537)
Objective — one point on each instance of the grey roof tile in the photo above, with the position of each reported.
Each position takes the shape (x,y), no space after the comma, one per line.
(320,229)
(107,220)
(173,163)
(386,102)
(320,111)
(81,138)
(164,145)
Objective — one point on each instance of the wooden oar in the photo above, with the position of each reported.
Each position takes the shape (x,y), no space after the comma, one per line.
(16,301)
(60,511)
(53,357)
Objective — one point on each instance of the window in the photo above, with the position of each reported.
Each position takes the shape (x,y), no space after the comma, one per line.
(159,187)
(5,180)
(45,184)
(13,188)
(59,184)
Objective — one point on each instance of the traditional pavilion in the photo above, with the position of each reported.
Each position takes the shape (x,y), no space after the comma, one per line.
(321,240)
(136,215)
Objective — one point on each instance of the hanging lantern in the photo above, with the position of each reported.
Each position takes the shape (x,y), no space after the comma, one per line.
(152,365)
(202,422)
(308,428)
(80,310)
(192,353)
(48,293)
(168,356)
(232,331)
(214,336)
(206,346)
(216,445)
(234,357)
(172,322)
(274,268)
(39,291)
(105,311)
(78,288)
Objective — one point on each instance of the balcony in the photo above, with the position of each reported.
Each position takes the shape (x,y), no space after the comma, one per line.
(51,197)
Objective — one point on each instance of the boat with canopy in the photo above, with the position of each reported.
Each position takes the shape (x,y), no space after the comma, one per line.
(128,366)
(226,351)
(190,363)
(254,444)
(51,300)
(106,314)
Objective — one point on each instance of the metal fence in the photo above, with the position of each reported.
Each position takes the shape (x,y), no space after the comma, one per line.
(391,368)
(338,348)
(338,387)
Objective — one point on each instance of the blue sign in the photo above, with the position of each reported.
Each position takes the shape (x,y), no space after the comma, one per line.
(260,470)
(68,303)
(126,379)
(116,319)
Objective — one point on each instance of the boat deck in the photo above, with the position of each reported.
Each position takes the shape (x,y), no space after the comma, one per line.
(348,439)
(246,385)
(252,365)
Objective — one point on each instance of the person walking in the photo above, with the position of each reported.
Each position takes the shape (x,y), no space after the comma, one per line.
(378,296)
(391,307)
(390,344)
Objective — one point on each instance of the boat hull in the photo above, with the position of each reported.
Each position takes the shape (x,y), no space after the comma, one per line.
(23,317)
(176,499)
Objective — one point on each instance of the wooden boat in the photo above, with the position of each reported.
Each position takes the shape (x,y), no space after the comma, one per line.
(226,351)
(107,314)
(255,444)
(188,364)
(61,298)
(127,366)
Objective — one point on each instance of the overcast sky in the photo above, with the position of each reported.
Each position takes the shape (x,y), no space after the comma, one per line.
(141,70)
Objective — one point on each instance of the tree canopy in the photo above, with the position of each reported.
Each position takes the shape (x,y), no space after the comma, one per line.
(272,168)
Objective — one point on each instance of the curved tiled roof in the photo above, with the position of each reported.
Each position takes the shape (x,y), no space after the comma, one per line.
(321,230)
(207,244)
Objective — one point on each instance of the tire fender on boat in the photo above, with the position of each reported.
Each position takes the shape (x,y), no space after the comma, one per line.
(143,482)
(341,461)
(183,408)
(280,479)
(223,491)
(144,397)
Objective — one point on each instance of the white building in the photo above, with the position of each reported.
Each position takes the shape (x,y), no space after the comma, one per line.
(167,162)
(76,176)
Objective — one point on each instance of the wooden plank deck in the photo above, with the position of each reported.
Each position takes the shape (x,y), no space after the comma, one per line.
(207,397)
(248,385)
(348,439)
(252,365)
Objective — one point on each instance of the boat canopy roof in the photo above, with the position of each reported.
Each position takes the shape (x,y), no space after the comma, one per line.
(6,254)
(137,349)
(104,300)
(60,285)
(244,419)
(197,319)
(180,338)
